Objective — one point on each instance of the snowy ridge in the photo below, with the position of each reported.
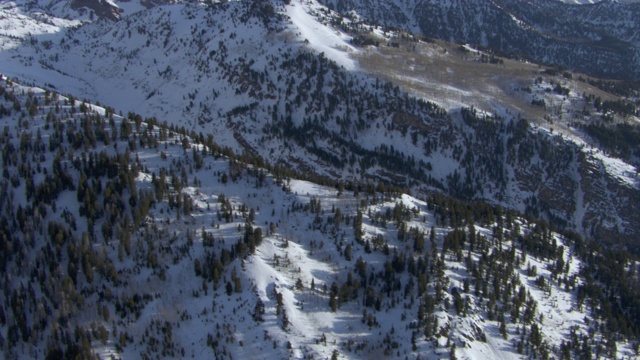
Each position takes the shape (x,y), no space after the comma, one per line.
(17,24)
(323,39)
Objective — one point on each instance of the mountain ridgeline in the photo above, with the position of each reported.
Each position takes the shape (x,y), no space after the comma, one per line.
(598,39)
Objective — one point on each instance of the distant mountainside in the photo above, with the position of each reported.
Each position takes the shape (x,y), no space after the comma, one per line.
(272,179)
(246,73)
(599,39)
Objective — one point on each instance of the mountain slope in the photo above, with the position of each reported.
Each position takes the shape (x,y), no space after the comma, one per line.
(139,240)
(599,39)
(259,78)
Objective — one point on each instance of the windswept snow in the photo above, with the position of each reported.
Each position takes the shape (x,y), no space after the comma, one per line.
(322,38)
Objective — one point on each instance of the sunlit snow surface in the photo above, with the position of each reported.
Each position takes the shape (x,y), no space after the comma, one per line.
(320,37)
(16,25)
(308,312)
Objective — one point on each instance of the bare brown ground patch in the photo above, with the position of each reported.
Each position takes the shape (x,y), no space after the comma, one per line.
(441,72)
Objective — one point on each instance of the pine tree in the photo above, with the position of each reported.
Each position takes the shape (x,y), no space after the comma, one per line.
(335,354)
(357,226)
(333,303)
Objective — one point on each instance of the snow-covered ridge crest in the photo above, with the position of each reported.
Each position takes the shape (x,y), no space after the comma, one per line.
(17,22)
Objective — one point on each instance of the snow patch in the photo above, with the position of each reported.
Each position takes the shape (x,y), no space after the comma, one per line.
(322,38)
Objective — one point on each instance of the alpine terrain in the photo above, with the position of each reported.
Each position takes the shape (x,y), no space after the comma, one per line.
(304,179)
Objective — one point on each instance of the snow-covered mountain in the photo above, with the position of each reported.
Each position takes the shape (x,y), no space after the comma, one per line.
(131,239)
(599,39)
(276,80)
(239,192)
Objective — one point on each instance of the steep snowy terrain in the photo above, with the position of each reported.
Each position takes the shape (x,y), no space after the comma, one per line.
(255,209)
(134,240)
(599,39)
(265,78)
